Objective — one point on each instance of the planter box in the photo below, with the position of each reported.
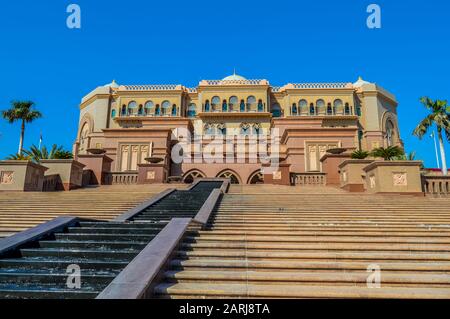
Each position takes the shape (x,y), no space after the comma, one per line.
(98,164)
(394,177)
(352,175)
(330,166)
(279,176)
(152,173)
(69,171)
(21,176)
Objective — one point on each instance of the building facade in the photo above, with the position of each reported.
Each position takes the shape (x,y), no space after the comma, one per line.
(134,122)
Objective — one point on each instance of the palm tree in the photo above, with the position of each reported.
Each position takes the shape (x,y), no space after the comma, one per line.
(56,152)
(21,111)
(360,154)
(440,117)
(18,157)
(389,153)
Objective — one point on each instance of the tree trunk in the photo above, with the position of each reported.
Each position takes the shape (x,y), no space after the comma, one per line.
(444,162)
(22,134)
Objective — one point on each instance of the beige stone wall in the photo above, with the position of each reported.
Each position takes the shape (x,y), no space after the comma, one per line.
(393,177)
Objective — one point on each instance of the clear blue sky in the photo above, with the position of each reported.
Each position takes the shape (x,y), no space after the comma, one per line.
(148,42)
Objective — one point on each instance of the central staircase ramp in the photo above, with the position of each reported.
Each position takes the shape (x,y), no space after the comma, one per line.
(39,262)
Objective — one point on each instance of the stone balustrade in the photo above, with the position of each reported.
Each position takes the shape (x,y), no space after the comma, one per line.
(436,185)
(309,179)
(121,178)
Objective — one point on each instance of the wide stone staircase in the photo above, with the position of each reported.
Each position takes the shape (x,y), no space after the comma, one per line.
(20,211)
(315,244)
(100,249)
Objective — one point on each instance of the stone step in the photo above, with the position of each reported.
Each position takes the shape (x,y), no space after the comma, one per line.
(311,255)
(245,290)
(101,237)
(289,265)
(332,277)
(114,230)
(79,254)
(320,233)
(317,239)
(93,244)
(315,245)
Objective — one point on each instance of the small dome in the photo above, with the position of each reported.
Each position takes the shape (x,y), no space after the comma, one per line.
(360,83)
(234,77)
(112,85)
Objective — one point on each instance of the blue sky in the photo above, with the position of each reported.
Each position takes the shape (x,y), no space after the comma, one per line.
(148,42)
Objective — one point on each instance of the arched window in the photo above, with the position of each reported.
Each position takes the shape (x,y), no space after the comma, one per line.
(244,129)
(242,106)
(320,106)
(192,110)
(141,110)
(83,139)
(165,107)
(231,175)
(157,110)
(358,110)
(215,102)
(256,129)
(174,110)
(251,101)
(148,107)
(347,110)
(192,175)
(113,113)
(337,105)
(209,129)
(124,110)
(390,133)
(303,107)
(132,107)
(294,109)
(207,106)
(256,178)
(276,110)
(233,103)
(312,109)
(260,106)
(224,106)
(221,129)
(329,109)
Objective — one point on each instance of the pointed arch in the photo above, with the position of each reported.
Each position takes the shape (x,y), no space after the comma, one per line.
(256,177)
(191,175)
(232,175)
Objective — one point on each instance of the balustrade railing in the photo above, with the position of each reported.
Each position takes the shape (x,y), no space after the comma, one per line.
(51,183)
(120,178)
(309,179)
(436,185)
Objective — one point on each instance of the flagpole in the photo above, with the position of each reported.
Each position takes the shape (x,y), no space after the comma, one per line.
(435,149)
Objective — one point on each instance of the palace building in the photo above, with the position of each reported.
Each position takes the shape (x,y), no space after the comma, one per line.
(134,122)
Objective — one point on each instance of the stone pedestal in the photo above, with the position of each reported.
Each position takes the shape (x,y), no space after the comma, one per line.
(279,176)
(98,164)
(330,166)
(394,177)
(152,173)
(69,171)
(352,176)
(21,176)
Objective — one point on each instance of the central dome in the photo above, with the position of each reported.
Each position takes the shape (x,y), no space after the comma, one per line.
(234,77)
